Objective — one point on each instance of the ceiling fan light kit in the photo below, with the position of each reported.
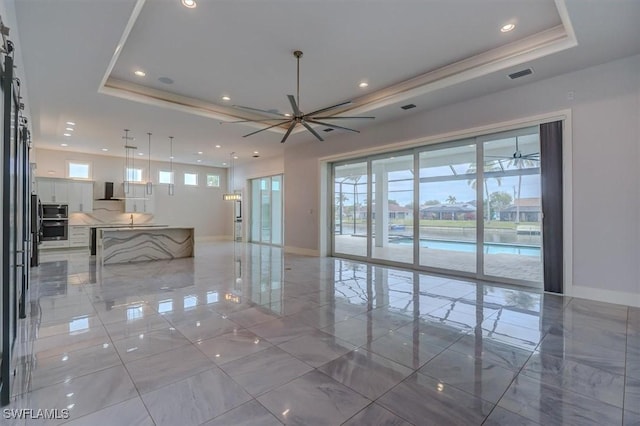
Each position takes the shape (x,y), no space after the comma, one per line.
(298,117)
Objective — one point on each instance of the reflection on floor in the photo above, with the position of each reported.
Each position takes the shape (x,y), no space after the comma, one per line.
(244,335)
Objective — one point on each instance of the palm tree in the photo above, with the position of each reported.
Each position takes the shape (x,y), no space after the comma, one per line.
(451,199)
(489,166)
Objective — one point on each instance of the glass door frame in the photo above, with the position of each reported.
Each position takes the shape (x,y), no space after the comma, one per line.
(252,208)
(481,140)
(478,141)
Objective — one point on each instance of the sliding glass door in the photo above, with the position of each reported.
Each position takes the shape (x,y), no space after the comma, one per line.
(266,210)
(513,209)
(350,208)
(392,208)
(436,209)
(448,207)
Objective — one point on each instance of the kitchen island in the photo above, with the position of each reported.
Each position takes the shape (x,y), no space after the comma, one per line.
(93,233)
(140,244)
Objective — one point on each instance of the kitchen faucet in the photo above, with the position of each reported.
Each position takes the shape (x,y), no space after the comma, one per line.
(131,219)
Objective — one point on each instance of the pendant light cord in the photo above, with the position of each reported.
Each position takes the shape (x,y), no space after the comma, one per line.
(298,80)
(149,170)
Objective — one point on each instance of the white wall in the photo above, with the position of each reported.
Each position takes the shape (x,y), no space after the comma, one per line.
(199,207)
(605,112)
(257,168)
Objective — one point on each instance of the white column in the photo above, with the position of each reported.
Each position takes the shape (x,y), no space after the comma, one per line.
(381,207)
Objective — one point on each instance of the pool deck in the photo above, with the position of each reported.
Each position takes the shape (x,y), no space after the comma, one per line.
(518,267)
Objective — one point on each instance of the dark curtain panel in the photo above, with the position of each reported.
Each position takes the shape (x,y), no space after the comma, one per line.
(551,182)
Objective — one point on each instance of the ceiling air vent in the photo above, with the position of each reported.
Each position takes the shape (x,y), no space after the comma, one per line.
(408,106)
(519,74)
(328,130)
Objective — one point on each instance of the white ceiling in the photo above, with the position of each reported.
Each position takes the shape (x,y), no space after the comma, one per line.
(79,57)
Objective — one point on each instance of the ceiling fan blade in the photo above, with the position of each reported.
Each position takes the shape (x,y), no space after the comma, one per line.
(262,130)
(294,105)
(304,123)
(329,108)
(264,111)
(255,121)
(289,130)
(341,118)
(333,126)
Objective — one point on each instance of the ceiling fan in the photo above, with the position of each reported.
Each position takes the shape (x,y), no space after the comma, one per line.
(297,116)
(518,155)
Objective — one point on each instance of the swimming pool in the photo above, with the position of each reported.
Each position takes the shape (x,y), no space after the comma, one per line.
(489,248)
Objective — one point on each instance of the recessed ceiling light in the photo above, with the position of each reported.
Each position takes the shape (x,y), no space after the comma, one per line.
(363,84)
(105,149)
(67,134)
(224,164)
(199,152)
(69,129)
(63,144)
(226,98)
(508,27)
(141,153)
(172,157)
(140,73)
(191,4)
(286,114)
(255,152)
(218,146)
(235,157)
(71,123)
(199,161)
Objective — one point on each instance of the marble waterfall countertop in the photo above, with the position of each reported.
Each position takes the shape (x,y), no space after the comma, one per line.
(92,229)
(127,244)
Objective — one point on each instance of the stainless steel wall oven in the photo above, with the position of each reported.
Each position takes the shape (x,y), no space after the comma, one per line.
(55,222)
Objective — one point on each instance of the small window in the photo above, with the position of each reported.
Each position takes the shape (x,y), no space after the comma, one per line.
(191,179)
(134,175)
(213,181)
(78,170)
(165,177)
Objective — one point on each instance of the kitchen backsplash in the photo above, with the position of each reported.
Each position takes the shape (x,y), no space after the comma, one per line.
(109,212)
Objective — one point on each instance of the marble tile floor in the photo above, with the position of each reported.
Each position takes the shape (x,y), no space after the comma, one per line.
(243,334)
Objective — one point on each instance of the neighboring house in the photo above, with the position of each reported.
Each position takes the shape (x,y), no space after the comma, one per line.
(396,212)
(529,209)
(456,211)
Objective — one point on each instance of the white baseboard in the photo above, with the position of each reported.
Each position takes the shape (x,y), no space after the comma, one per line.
(609,296)
(211,238)
(301,251)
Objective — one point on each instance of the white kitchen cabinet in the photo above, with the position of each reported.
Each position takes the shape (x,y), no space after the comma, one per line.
(53,190)
(80,197)
(78,236)
(54,244)
(137,200)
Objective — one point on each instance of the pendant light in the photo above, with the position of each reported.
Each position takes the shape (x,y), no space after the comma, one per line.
(171,185)
(128,160)
(149,183)
(232,194)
